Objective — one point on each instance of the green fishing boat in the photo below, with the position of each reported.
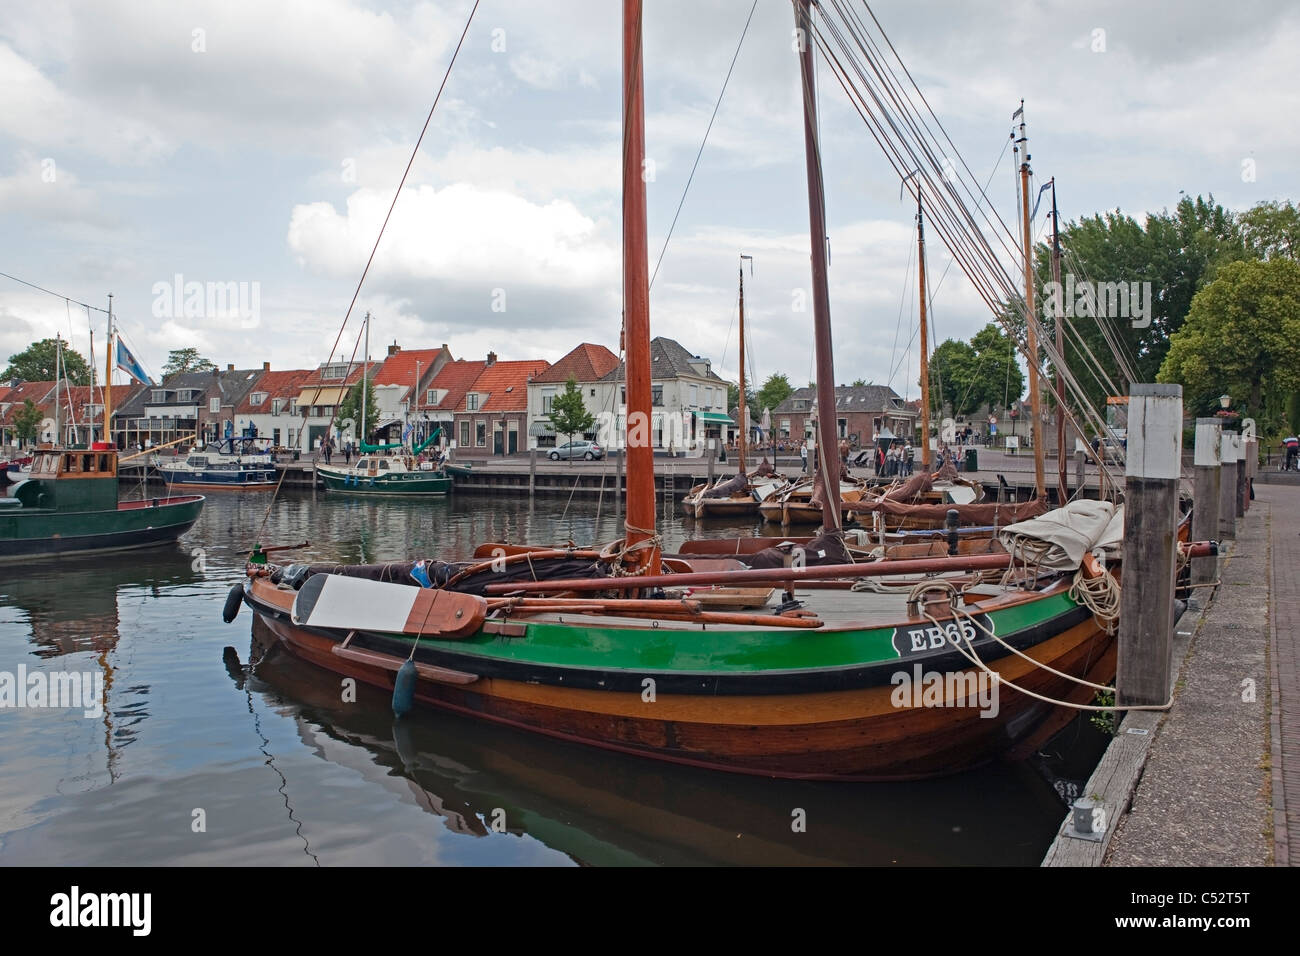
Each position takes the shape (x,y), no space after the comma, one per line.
(379,474)
(69,506)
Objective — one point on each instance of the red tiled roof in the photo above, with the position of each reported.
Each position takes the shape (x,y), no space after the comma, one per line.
(456,378)
(16,396)
(586,363)
(285,384)
(399,368)
(506,385)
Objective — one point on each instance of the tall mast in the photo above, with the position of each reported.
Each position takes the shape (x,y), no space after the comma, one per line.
(365,370)
(1035,420)
(640,522)
(1059,321)
(108,375)
(58,392)
(828,461)
(925,337)
(744,427)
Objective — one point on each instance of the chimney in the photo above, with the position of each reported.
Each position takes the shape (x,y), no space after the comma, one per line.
(266,366)
(492,359)
(216,373)
(394,348)
(230,367)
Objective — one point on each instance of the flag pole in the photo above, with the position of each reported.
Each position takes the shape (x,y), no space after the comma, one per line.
(108,376)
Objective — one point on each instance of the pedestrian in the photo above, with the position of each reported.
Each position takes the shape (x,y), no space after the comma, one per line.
(325,448)
(909,459)
(803,457)
(347,452)
(880,459)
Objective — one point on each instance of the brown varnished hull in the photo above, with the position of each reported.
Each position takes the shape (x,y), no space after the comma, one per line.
(855,734)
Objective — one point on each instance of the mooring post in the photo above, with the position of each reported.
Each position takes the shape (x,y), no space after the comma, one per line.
(1205,492)
(1252,466)
(1228,486)
(532,471)
(1151,475)
(1241,478)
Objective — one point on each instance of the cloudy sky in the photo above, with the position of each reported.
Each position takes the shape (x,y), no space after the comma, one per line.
(259,142)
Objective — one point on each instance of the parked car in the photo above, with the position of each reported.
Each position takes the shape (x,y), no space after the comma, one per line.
(588,450)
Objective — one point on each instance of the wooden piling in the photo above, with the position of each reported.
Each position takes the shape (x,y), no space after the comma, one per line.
(1228,486)
(532,472)
(1152,472)
(1252,467)
(1205,492)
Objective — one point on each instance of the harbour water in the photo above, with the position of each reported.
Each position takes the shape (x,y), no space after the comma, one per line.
(196,761)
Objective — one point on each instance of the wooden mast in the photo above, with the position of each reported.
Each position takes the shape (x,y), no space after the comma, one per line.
(108,377)
(744,430)
(1059,319)
(827,457)
(1035,420)
(925,338)
(640,522)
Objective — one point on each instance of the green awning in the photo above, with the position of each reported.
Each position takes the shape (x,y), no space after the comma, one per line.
(714,417)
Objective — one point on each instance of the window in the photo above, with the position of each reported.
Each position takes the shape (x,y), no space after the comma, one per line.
(708,397)
(480,434)
(276,405)
(159,396)
(593,393)
(383,464)
(656,396)
(464,434)
(214,405)
(293,406)
(334,371)
(695,396)
(844,427)
(431,397)
(258,398)
(548,396)
(471,401)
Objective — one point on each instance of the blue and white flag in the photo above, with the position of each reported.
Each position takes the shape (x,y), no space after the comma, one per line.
(127,363)
(410,430)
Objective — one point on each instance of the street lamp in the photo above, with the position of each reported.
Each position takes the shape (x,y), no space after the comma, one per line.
(1225,401)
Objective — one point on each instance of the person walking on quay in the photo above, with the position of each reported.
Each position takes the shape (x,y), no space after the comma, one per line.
(909,459)
(347,452)
(325,448)
(803,457)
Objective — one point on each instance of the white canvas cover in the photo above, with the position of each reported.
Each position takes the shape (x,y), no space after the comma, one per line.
(1068,533)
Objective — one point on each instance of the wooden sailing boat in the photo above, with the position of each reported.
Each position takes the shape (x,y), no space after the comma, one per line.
(665,656)
(743,493)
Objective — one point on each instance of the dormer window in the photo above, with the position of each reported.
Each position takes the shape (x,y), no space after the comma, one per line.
(258,398)
(471,401)
(159,396)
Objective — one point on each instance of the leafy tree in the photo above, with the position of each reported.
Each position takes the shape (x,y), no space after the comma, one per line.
(776,389)
(185,360)
(1242,338)
(36,363)
(1178,252)
(350,407)
(1271,229)
(984,371)
(858,383)
(569,415)
(733,398)
(27,421)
